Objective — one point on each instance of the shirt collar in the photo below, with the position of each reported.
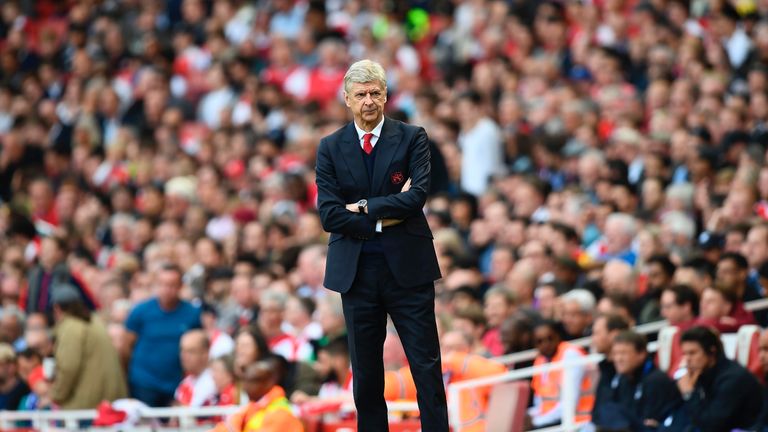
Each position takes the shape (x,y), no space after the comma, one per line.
(376,131)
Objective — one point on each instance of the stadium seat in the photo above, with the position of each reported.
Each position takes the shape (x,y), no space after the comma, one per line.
(669,353)
(748,348)
(507,405)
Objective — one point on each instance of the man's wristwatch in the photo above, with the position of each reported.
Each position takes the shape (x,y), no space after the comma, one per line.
(362,204)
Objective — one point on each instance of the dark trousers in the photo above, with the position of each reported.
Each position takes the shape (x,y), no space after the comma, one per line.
(374,294)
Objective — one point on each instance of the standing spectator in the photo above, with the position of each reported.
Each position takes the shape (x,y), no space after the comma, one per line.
(480,143)
(718,393)
(51,272)
(12,387)
(88,369)
(269,410)
(198,387)
(643,396)
(155,328)
(548,405)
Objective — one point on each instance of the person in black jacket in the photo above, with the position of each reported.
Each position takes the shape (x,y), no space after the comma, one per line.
(719,394)
(641,395)
(762,423)
(604,331)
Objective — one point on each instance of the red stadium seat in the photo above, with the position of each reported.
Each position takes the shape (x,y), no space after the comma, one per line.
(748,348)
(669,353)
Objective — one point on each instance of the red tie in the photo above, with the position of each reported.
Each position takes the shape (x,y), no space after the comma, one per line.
(367,147)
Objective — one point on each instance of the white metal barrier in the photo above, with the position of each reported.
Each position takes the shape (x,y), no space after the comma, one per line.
(646,329)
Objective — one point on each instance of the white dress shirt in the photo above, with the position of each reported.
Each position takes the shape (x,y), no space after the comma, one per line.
(374,139)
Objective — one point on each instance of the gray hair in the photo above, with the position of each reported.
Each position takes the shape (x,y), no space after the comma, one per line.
(584,298)
(278,297)
(627,222)
(683,192)
(679,223)
(365,71)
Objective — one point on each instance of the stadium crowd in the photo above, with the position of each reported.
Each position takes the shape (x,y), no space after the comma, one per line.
(596,164)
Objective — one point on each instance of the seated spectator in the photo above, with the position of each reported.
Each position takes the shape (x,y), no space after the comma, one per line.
(334,369)
(641,395)
(12,387)
(221,343)
(718,394)
(578,310)
(679,306)
(659,271)
(40,398)
(762,423)
(517,335)
(12,326)
(471,321)
(270,321)
(198,387)
(227,388)
(499,304)
(28,360)
(718,310)
(269,410)
(617,304)
(547,404)
(733,275)
(604,331)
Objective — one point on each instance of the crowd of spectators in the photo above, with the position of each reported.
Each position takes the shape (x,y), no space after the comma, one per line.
(590,158)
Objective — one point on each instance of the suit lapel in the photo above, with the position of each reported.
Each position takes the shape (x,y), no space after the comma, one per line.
(353,156)
(386,148)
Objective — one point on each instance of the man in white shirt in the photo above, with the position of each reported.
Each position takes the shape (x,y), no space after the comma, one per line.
(197,388)
(481,145)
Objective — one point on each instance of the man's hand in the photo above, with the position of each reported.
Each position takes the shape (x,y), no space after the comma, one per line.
(353,208)
(687,383)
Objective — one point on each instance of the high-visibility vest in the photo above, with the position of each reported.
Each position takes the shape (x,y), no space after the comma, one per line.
(254,423)
(457,367)
(547,386)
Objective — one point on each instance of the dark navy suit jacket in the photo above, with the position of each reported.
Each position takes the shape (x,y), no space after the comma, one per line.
(402,152)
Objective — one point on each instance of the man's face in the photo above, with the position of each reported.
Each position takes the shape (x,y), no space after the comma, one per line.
(168,286)
(695,358)
(601,338)
(270,317)
(366,101)
(657,279)
(496,310)
(626,359)
(729,275)
(575,320)
(713,306)
(546,341)
(257,381)
(194,356)
(755,248)
(671,311)
(763,353)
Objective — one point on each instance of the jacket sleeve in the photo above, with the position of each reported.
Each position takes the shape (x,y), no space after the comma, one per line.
(330,202)
(70,342)
(662,396)
(714,414)
(405,204)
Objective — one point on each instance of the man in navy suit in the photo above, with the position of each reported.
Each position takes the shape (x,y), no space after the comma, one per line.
(372,178)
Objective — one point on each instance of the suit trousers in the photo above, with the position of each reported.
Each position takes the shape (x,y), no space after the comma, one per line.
(373,295)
